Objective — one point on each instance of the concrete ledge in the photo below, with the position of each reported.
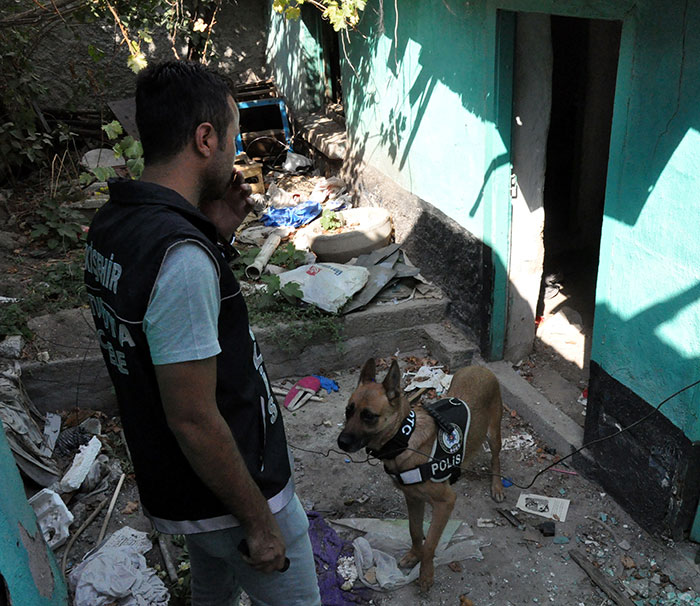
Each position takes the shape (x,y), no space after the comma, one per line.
(325,134)
(82,379)
(560,431)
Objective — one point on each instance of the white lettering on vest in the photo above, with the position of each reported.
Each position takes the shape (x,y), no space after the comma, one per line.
(445,464)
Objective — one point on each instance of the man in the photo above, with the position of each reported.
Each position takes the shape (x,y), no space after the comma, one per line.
(204,431)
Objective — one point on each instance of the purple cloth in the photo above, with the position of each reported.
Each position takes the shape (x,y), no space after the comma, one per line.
(328,547)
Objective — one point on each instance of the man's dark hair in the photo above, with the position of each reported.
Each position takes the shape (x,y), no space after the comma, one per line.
(172,99)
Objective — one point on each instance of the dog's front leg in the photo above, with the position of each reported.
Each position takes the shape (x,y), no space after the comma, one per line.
(442,505)
(416,513)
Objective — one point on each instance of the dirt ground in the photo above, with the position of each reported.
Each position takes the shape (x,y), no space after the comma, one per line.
(518,567)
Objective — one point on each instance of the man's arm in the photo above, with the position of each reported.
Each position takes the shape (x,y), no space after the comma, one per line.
(188,393)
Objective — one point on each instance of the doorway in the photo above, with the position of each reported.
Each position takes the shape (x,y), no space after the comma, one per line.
(564,77)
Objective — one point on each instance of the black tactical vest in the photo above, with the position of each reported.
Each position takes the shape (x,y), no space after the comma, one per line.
(126,244)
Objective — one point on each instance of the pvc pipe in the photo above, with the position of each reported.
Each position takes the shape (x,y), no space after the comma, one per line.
(254,270)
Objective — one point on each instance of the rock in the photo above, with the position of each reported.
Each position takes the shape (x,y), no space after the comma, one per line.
(8,240)
(11,347)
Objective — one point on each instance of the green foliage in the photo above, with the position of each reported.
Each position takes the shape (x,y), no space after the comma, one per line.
(331,220)
(340,13)
(127,147)
(21,143)
(288,257)
(57,226)
(13,320)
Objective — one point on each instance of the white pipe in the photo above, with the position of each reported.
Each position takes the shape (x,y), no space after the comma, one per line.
(254,270)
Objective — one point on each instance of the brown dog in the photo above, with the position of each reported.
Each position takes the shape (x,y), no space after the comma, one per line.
(377,413)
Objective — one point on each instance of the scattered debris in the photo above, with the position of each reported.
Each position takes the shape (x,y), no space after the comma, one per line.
(430,377)
(81,465)
(24,428)
(600,580)
(117,572)
(302,392)
(53,516)
(327,285)
(547,529)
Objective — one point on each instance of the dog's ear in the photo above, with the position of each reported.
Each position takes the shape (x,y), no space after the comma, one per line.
(368,372)
(392,382)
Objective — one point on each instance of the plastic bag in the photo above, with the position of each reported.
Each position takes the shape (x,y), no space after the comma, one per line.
(117,573)
(296,161)
(327,285)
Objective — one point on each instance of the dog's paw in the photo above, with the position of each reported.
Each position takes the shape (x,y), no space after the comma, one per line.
(497,493)
(409,560)
(426,578)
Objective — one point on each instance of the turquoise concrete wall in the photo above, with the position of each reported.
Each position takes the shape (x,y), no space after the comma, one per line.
(295,60)
(647,322)
(30,571)
(427,111)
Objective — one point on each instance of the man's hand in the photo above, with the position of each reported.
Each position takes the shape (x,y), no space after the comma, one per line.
(265,547)
(188,393)
(228,212)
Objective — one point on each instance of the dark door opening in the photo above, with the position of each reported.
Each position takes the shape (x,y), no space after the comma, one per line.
(585,57)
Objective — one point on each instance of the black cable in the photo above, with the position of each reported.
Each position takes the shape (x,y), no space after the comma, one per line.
(539,473)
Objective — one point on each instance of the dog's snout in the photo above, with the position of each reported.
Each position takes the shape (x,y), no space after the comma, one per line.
(345,442)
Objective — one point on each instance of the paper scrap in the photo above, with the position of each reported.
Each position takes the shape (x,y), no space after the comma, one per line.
(546,507)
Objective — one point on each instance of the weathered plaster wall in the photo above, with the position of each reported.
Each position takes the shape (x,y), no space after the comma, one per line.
(26,563)
(295,59)
(74,80)
(424,112)
(647,322)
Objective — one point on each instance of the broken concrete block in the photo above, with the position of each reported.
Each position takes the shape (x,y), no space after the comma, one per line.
(11,347)
(81,466)
(53,516)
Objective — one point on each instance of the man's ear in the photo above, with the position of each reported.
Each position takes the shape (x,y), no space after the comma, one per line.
(368,372)
(205,139)
(392,382)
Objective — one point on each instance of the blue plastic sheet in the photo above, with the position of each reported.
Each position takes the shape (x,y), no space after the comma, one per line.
(294,216)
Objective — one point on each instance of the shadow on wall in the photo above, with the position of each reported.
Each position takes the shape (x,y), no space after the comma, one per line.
(653,470)
(294,57)
(453,45)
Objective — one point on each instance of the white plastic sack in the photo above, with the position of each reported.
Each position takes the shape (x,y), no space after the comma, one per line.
(327,285)
(117,573)
(294,161)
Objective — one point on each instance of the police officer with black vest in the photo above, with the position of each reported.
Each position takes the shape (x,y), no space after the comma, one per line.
(204,430)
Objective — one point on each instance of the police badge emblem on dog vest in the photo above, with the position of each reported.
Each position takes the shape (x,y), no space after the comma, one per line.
(452,417)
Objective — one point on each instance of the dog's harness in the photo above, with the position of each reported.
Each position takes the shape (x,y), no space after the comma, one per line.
(394,447)
(452,416)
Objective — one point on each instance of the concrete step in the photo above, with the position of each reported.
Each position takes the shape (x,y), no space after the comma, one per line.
(76,375)
(556,428)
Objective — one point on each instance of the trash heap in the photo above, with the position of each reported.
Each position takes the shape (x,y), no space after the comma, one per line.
(347,258)
(79,462)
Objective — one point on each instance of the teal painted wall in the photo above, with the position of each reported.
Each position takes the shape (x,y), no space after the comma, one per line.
(647,323)
(424,110)
(295,60)
(30,572)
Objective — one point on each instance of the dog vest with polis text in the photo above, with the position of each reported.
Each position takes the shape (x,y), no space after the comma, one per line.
(452,417)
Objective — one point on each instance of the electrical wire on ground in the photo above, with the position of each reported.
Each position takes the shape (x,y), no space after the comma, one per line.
(369,459)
